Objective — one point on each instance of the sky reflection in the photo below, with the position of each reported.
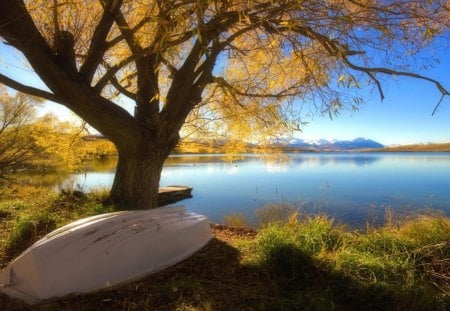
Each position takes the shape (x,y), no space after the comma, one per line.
(344,185)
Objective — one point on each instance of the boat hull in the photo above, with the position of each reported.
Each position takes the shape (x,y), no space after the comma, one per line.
(104,250)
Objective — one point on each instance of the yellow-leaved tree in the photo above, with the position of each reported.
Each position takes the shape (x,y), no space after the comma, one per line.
(30,142)
(235,67)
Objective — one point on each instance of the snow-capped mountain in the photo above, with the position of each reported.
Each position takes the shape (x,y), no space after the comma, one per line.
(323,144)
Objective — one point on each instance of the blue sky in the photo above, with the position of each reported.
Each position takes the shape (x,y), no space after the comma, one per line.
(404,116)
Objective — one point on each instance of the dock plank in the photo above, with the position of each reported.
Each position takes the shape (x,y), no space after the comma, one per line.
(172,194)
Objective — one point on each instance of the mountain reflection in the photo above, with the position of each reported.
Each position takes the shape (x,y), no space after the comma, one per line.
(343,184)
(277,162)
(337,159)
(281,162)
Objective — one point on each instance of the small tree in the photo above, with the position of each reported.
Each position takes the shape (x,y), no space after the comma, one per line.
(17,148)
(60,144)
(243,64)
(31,142)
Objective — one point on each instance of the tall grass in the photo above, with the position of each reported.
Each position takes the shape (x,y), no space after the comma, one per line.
(290,248)
(417,251)
(398,260)
(274,213)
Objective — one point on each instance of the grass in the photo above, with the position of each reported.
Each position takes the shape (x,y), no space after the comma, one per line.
(28,212)
(26,230)
(236,220)
(292,262)
(386,268)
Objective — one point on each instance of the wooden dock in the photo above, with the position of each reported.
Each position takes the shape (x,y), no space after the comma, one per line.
(172,194)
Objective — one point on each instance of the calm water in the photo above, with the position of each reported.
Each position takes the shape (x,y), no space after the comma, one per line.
(348,186)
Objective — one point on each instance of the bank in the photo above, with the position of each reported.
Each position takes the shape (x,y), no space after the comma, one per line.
(304,263)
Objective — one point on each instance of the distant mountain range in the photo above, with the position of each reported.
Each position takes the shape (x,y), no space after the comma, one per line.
(323,144)
(297,144)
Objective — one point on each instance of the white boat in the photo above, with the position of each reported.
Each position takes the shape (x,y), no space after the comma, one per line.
(104,250)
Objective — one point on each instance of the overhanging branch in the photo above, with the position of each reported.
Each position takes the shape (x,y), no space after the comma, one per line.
(371,70)
(279,96)
(28,89)
(337,49)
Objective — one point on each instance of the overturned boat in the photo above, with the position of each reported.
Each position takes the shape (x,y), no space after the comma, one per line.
(104,250)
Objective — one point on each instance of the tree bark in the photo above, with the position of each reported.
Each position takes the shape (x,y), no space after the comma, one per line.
(136,182)
(138,171)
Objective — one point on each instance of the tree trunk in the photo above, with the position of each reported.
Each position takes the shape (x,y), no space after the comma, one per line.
(136,182)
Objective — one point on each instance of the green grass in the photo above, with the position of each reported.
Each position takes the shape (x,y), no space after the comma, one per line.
(26,230)
(294,261)
(27,213)
(389,267)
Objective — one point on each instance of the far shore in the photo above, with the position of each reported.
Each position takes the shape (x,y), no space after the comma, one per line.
(198,148)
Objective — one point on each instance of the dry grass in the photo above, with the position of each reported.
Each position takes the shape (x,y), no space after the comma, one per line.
(420,148)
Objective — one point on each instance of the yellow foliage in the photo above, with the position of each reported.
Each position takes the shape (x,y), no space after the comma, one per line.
(269,58)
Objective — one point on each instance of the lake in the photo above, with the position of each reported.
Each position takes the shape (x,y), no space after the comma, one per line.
(347,186)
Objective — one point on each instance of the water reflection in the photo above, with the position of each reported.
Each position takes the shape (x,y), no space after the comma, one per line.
(273,162)
(283,163)
(41,179)
(342,184)
(107,164)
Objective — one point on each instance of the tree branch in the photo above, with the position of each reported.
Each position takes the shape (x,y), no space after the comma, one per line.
(121,89)
(128,34)
(147,76)
(18,28)
(371,70)
(99,45)
(111,72)
(337,49)
(121,37)
(280,95)
(28,89)
(191,78)
(172,69)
